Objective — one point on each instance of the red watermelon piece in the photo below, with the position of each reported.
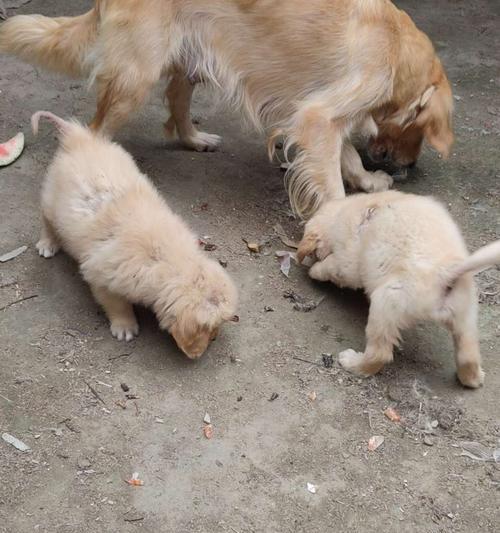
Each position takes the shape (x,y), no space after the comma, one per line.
(11,150)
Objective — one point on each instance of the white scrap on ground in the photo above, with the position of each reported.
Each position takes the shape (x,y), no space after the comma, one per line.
(18,444)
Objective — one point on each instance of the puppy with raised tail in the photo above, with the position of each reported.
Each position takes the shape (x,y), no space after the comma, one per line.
(131,248)
(408,255)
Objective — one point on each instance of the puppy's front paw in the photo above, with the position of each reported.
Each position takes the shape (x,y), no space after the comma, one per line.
(352,361)
(471,375)
(47,248)
(377,182)
(124,330)
(203,142)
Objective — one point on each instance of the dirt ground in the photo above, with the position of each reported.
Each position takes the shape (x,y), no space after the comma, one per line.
(252,475)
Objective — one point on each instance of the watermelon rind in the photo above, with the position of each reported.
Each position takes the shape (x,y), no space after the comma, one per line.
(11,150)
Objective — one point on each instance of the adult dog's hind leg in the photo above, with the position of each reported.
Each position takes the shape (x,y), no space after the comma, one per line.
(178,99)
(129,63)
(117,98)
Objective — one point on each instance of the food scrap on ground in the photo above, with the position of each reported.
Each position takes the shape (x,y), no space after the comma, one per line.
(208,431)
(375,442)
(392,414)
(11,149)
(252,246)
(135,481)
(311,488)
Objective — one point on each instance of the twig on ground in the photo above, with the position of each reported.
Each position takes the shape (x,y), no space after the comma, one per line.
(306,361)
(118,356)
(94,392)
(18,301)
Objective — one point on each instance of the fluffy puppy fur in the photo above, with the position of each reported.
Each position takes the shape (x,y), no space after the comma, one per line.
(131,248)
(311,71)
(408,255)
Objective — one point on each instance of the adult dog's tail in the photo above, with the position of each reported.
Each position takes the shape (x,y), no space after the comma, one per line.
(60,44)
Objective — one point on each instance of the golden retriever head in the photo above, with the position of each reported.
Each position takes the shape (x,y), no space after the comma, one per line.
(402,130)
(194,309)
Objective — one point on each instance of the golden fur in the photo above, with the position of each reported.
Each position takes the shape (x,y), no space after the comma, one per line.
(312,71)
(408,255)
(130,247)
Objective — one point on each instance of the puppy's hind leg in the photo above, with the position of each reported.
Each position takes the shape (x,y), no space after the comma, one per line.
(178,99)
(48,244)
(463,327)
(119,311)
(386,317)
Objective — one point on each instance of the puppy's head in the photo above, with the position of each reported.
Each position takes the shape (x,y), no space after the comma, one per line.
(307,246)
(402,130)
(198,309)
(314,241)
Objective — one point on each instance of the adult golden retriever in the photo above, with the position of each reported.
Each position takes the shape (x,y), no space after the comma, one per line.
(314,72)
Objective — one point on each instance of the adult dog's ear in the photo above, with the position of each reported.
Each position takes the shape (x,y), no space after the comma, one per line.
(307,245)
(435,118)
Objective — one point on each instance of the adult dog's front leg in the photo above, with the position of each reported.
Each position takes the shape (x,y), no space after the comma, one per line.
(355,174)
(315,174)
(178,99)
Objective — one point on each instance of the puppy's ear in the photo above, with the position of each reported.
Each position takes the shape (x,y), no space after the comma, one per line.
(307,245)
(191,337)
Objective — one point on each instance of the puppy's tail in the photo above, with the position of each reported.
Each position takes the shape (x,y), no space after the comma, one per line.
(62,126)
(59,44)
(484,258)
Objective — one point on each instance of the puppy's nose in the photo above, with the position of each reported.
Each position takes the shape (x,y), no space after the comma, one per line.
(384,155)
(412,164)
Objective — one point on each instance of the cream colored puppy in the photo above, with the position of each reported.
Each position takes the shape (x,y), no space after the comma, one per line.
(130,247)
(408,255)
